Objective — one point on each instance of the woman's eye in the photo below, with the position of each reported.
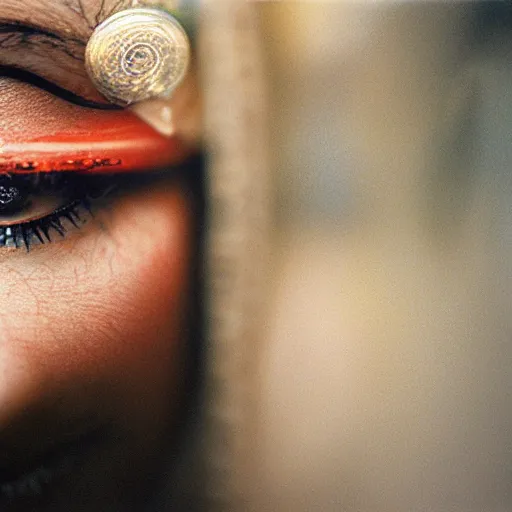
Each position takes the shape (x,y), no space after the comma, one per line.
(42,208)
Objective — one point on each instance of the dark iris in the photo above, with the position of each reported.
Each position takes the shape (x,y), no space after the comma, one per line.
(13,196)
(11,199)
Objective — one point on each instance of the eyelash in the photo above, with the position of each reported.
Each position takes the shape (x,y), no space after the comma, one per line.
(26,233)
(81,191)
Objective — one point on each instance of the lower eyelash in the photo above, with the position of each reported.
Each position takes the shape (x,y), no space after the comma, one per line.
(25,234)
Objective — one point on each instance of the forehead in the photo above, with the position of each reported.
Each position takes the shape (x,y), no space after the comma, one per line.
(73,18)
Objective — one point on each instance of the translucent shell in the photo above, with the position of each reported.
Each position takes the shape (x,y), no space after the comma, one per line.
(136,55)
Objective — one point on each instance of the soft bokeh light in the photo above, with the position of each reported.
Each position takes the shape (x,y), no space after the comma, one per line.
(386,369)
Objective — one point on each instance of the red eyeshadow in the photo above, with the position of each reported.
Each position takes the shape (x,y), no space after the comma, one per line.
(40,133)
(120,143)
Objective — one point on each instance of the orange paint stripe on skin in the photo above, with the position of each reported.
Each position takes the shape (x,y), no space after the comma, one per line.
(134,146)
(54,135)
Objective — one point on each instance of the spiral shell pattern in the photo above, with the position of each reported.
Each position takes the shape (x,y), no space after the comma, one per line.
(136,55)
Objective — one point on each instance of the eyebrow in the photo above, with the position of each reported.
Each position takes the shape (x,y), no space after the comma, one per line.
(12,35)
(59,19)
(47,38)
(16,35)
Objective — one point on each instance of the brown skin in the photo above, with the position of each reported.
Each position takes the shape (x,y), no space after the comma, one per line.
(93,334)
(92,329)
(54,48)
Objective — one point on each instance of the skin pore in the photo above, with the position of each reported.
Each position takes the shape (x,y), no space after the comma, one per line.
(93,325)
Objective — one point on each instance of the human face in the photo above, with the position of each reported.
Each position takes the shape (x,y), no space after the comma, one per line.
(92,325)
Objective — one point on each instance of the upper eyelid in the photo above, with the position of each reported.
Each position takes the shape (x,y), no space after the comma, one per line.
(55,58)
(47,85)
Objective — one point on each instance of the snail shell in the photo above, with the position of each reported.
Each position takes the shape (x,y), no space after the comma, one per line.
(136,55)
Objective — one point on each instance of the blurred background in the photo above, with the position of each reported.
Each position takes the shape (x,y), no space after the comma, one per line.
(385,374)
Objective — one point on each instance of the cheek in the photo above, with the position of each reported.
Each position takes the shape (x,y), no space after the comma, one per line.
(106,309)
